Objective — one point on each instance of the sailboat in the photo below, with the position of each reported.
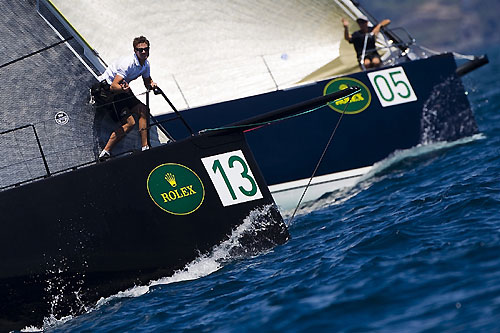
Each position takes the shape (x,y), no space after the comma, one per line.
(219,61)
(73,229)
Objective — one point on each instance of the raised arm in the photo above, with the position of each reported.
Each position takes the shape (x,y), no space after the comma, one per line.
(347,36)
(377,28)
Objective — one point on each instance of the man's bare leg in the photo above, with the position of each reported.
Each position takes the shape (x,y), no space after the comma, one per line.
(119,133)
(142,112)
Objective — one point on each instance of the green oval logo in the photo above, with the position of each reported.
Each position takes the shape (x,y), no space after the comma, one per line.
(358,102)
(175,188)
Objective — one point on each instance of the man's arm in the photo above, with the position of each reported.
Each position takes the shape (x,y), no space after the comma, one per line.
(149,83)
(377,28)
(347,36)
(119,85)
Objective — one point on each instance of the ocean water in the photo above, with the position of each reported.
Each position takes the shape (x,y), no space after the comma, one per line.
(415,247)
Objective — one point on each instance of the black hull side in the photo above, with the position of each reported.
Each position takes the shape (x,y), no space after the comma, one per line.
(97,231)
(289,150)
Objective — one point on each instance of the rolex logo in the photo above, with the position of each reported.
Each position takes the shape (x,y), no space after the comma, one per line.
(170,178)
(175,188)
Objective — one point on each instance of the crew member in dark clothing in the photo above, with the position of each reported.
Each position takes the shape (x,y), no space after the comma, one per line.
(364,41)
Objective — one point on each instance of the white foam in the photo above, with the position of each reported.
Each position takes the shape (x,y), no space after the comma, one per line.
(366,181)
(419,150)
(31,329)
(203,265)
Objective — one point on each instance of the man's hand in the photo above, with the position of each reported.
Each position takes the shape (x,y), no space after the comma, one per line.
(149,83)
(124,85)
(119,85)
(345,22)
(385,22)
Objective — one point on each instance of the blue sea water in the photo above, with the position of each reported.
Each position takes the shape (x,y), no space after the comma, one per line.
(415,247)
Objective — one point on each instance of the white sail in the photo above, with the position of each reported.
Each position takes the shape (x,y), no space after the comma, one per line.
(205,51)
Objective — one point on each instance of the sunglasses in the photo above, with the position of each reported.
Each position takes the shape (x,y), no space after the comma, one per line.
(142,49)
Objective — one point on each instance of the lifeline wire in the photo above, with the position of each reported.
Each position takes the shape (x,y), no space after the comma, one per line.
(320,159)
(109,103)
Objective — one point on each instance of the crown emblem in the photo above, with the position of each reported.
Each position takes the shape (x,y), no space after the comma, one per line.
(170,178)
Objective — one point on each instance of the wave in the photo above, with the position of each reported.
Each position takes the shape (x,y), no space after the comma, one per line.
(246,240)
(377,173)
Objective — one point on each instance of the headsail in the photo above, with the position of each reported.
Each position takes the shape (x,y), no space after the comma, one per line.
(45,77)
(46,89)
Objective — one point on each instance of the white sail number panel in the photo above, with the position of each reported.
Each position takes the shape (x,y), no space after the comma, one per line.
(392,86)
(232,178)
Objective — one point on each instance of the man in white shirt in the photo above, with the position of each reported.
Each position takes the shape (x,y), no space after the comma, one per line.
(124,103)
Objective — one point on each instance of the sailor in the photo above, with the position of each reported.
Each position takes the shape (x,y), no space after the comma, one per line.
(364,41)
(115,83)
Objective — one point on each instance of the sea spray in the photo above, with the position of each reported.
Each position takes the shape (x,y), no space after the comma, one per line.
(237,246)
(247,240)
(444,118)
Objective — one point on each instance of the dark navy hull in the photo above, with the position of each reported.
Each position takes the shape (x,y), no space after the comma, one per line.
(288,151)
(101,229)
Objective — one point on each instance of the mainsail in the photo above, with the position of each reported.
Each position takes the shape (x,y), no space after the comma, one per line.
(204,52)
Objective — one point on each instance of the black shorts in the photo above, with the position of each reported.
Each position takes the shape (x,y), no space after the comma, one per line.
(123,104)
(370,56)
(120,105)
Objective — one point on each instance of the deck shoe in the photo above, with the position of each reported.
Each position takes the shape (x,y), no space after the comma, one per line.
(104,155)
(144,148)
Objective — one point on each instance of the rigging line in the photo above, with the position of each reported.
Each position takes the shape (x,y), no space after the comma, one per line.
(180,90)
(123,99)
(36,52)
(270,73)
(50,142)
(24,161)
(319,161)
(262,124)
